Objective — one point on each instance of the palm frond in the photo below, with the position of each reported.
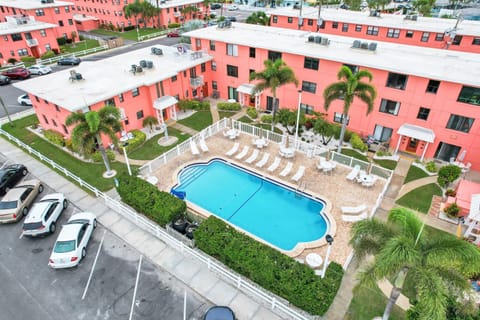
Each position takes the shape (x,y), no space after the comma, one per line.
(406,221)
(368,236)
(366,276)
(397,253)
(432,295)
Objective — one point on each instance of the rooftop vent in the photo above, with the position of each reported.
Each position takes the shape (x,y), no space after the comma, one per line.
(136,69)
(224,24)
(157,51)
(311,38)
(413,17)
(46,1)
(74,76)
(374,13)
(357,44)
(318,39)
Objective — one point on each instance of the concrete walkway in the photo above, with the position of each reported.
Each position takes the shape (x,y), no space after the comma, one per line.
(406,188)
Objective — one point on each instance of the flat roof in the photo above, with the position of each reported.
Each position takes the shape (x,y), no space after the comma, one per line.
(437,25)
(9,28)
(173,3)
(33,4)
(84,17)
(104,79)
(439,64)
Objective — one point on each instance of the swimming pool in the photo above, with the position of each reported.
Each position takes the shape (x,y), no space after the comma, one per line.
(268,210)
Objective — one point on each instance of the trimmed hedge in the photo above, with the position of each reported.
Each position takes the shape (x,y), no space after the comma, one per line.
(357,143)
(268,267)
(139,138)
(252,113)
(159,206)
(173,25)
(448,174)
(47,55)
(193,105)
(54,137)
(267,118)
(228,106)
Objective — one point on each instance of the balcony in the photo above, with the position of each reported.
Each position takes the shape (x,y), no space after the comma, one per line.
(177,14)
(32,42)
(196,82)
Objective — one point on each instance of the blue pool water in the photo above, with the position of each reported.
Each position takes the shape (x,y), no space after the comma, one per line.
(261,207)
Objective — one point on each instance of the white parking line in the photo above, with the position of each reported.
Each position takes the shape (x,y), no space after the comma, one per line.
(136,285)
(93,266)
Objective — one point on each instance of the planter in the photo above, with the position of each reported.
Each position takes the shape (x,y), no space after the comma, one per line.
(180,224)
(190,229)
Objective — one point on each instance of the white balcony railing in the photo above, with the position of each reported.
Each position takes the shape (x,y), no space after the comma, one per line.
(32,42)
(196,82)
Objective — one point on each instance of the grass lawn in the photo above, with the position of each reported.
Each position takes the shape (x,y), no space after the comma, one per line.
(129,35)
(198,121)
(420,199)
(226,114)
(151,149)
(245,119)
(388,164)
(88,171)
(354,154)
(79,46)
(414,173)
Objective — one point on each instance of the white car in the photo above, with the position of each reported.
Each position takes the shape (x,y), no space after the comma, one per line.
(71,245)
(24,100)
(233,7)
(43,215)
(39,69)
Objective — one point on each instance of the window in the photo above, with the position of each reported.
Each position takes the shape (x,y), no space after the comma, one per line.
(393,33)
(469,95)
(22,52)
(345,27)
(45,119)
(193,72)
(70,22)
(476,41)
(290,19)
(43,33)
(382,133)
(460,123)
(212,45)
(273,55)
(373,31)
(334,25)
(310,22)
(110,102)
(397,81)
(57,108)
(198,44)
(409,34)
(275,19)
(456,41)
(425,36)
(135,92)
(439,37)
(338,117)
(310,63)
(60,23)
(48,47)
(140,114)
(423,113)
(28,35)
(214,85)
(250,72)
(57,10)
(5,38)
(120,97)
(65,129)
(16,37)
(353,68)
(67,9)
(232,50)
(54,123)
(232,71)
(432,86)
(446,151)
(309,86)
(358,28)
(390,107)
(203,67)
(214,66)
(251,52)
(173,78)
(306,108)
(39,12)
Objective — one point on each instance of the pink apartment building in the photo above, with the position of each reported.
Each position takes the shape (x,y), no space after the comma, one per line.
(427,102)
(140,83)
(404,29)
(24,36)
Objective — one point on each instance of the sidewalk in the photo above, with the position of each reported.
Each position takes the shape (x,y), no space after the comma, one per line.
(185,269)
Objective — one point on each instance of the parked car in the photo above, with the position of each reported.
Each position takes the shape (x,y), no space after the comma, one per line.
(24,100)
(17,73)
(344,6)
(4,79)
(14,205)
(173,34)
(230,18)
(44,214)
(233,7)
(219,313)
(215,6)
(10,175)
(39,69)
(73,61)
(71,245)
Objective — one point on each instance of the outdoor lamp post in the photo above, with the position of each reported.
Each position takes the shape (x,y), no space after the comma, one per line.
(461,221)
(126,158)
(329,239)
(298,116)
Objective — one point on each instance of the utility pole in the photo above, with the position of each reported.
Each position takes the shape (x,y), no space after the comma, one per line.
(6,111)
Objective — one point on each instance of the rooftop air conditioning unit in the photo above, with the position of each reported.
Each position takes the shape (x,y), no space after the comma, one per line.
(157,51)
(408,17)
(318,39)
(143,63)
(356,44)
(311,38)
(325,41)
(414,17)
(149,64)
(372,46)
(364,45)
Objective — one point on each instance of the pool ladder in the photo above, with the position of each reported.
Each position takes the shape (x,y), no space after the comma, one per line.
(302,185)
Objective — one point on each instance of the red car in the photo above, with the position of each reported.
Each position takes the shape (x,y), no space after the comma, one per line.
(17,73)
(173,34)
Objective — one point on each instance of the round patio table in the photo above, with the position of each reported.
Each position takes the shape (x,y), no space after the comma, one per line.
(314,260)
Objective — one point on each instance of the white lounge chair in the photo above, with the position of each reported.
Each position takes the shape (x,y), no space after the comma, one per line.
(242,153)
(352,218)
(203,145)
(354,210)
(264,160)
(193,148)
(274,165)
(286,171)
(253,156)
(233,150)
(354,173)
(299,174)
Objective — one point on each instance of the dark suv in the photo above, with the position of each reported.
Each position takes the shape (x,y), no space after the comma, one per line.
(215,6)
(69,61)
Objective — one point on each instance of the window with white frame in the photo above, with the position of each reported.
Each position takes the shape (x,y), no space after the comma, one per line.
(425,36)
(393,33)
(372,31)
(232,50)
(389,106)
(338,117)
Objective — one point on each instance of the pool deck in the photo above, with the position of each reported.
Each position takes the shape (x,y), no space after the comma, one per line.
(333,188)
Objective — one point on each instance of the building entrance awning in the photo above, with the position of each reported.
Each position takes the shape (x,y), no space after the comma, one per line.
(164,102)
(246,88)
(416,132)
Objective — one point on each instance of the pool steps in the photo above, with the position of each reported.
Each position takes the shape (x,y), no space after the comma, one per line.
(192,175)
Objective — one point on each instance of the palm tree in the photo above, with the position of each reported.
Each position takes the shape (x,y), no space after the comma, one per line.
(150,121)
(89,126)
(275,74)
(350,86)
(438,265)
(133,9)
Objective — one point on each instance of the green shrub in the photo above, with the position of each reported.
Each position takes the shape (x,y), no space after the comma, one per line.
(128,28)
(448,174)
(144,197)
(47,55)
(228,106)
(139,138)
(28,60)
(337,129)
(278,273)
(54,137)
(12,60)
(252,113)
(266,118)
(357,143)
(431,166)
(97,156)
(173,25)
(193,105)
(452,210)
(61,41)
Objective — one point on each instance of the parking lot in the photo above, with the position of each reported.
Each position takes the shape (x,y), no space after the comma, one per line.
(106,279)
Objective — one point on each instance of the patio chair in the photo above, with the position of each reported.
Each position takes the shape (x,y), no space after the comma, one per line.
(354,218)
(203,145)
(193,148)
(354,210)
(467,167)
(354,173)
(299,174)
(264,160)
(242,153)
(233,150)
(253,156)
(274,165)
(286,171)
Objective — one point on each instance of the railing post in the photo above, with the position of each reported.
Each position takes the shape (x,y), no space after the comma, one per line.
(239,282)
(273,303)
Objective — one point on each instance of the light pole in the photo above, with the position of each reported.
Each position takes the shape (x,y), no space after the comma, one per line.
(126,158)
(461,221)
(298,116)
(329,239)
(6,111)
